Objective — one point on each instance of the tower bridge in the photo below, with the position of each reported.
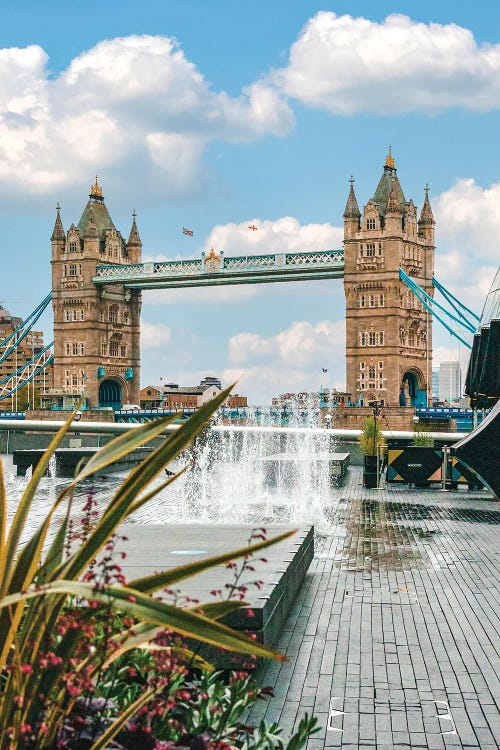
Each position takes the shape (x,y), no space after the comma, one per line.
(98,278)
(217,270)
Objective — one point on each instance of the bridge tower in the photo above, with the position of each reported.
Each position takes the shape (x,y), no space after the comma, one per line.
(389,334)
(96,330)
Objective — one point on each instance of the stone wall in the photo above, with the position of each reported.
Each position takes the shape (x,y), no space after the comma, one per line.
(353,417)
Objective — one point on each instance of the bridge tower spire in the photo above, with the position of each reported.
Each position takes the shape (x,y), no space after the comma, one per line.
(388,334)
(96,331)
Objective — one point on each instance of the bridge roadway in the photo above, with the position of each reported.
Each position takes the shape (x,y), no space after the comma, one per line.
(218,270)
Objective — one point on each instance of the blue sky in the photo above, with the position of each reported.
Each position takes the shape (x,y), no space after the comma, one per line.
(213,114)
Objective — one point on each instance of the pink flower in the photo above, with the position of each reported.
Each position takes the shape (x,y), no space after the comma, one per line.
(27,669)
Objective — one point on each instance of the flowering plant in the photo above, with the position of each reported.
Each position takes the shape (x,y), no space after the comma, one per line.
(68,619)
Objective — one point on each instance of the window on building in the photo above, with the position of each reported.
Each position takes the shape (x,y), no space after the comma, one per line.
(104,348)
(113,314)
(362,339)
(411,339)
(371,224)
(362,301)
(67,349)
(123,351)
(82,314)
(72,269)
(380,248)
(73,246)
(113,348)
(381,301)
(372,300)
(380,341)
(75,349)
(361,365)
(81,347)
(380,365)
(126,317)
(101,316)
(371,372)
(370,250)
(371,338)
(74,379)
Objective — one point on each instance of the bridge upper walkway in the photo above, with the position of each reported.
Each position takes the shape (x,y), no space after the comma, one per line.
(215,270)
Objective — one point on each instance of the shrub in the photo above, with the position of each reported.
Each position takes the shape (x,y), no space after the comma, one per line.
(371,437)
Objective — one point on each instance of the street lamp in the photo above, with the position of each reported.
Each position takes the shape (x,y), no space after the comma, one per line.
(377,411)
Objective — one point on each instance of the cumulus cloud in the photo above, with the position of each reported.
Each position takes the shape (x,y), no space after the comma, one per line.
(154,335)
(285,234)
(347,65)
(467,234)
(129,98)
(301,345)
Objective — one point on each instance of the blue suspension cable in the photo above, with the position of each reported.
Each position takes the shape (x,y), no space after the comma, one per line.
(449,297)
(36,372)
(33,317)
(418,291)
(26,364)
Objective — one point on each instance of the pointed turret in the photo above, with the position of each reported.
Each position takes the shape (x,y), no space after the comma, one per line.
(426,215)
(426,221)
(58,235)
(352,214)
(134,244)
(351,207)
(134,239)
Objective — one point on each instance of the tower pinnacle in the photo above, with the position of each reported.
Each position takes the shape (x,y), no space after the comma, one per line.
(96,192)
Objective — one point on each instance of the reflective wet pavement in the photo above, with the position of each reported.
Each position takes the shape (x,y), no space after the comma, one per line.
(393,641)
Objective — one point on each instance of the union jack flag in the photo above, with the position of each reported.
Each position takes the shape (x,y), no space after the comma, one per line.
(253,227)
(187,231)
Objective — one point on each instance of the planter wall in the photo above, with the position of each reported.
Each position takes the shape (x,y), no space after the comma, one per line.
(416,465)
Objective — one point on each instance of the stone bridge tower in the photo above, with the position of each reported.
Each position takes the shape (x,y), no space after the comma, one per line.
(96,330)
(389,333)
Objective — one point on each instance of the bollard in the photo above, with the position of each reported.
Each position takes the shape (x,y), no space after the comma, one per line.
(444,469)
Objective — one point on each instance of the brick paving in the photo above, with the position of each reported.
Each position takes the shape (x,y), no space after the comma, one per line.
(393,641)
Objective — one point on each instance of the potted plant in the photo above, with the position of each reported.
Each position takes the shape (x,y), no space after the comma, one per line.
(372,444)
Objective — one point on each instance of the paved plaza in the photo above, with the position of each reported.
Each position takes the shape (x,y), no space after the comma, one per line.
(393,641)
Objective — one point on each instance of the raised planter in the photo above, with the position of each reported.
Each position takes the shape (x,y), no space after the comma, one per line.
(414,464)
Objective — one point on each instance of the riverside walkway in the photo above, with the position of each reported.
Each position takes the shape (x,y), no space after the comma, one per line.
(393,641)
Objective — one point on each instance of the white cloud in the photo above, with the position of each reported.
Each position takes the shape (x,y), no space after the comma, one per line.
(300,346)
(467,235)
(347,65)
(285,234)
(130,99)
(154,335)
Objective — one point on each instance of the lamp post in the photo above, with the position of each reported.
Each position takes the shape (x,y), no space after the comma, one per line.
(376,409)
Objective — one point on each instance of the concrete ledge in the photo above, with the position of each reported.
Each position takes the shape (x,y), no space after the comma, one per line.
(67,459)
(153,548)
